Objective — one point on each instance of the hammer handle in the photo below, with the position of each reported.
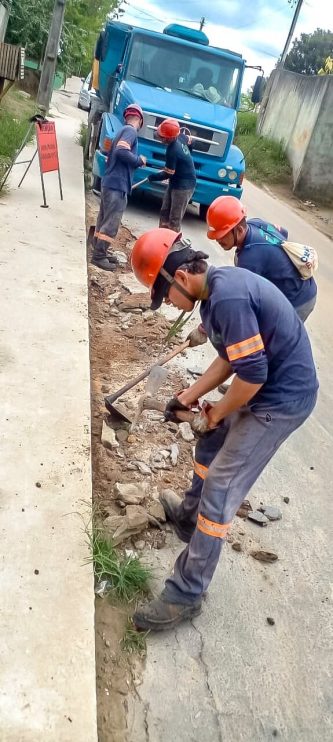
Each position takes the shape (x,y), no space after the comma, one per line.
(161,361)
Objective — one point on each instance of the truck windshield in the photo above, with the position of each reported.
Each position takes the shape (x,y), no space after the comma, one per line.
(199,73)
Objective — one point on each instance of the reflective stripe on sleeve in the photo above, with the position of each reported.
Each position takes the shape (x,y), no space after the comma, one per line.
(122,143)
(245,348)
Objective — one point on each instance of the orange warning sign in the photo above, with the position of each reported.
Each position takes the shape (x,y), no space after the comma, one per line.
(47,146)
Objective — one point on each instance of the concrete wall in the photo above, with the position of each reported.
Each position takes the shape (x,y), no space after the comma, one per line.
(4,13)
(297,111)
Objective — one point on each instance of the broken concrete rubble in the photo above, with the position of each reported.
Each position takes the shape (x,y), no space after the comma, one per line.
(156,510)
(130,494)
(143,468)
(174,454)
(108,437)
(121,527)
(186,432)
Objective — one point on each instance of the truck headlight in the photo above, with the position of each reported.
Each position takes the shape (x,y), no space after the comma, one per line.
(232,175)
(222,172)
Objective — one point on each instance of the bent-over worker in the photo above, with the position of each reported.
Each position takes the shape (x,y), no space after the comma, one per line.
(259,338)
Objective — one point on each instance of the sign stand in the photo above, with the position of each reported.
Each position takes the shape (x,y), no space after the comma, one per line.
(47,149)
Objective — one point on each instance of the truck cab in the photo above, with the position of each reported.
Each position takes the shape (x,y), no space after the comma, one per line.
(175,73)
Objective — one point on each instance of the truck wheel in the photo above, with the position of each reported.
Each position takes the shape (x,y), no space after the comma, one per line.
(203,208)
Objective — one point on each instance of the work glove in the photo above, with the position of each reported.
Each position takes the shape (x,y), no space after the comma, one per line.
(172,408)
(197,337)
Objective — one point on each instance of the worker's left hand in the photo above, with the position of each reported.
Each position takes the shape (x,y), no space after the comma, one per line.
(206,420)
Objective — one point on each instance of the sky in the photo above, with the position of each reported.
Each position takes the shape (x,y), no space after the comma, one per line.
(256,28)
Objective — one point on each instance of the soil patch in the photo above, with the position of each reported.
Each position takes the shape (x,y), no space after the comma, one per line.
(125,337)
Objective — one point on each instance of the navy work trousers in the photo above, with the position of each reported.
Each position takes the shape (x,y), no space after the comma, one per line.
(112,206)
(228,461)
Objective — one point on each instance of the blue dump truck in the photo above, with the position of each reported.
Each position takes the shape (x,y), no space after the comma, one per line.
(175,73)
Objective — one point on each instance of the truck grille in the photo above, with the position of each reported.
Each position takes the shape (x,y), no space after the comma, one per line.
(210,141)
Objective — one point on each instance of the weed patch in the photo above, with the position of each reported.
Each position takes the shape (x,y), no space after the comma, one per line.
(265,160)
(134,641)
(15,113)
(128,576)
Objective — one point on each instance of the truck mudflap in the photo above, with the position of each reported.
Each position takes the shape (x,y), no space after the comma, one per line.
(99,164)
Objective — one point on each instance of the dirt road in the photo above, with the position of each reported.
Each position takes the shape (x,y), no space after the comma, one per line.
(232,676)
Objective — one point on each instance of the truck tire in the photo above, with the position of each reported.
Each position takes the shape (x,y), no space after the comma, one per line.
(203,208)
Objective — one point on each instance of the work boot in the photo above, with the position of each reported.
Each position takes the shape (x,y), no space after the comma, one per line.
(104,263)
(172,504)
(158,615)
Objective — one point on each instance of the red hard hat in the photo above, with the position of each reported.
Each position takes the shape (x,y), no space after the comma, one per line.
(168,129)
(134,110)
(223,215)
(150,252)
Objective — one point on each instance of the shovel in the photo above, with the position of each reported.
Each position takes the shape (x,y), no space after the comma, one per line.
(111,398)
(136,185)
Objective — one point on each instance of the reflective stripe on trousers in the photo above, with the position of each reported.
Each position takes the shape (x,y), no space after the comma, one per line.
(249,440)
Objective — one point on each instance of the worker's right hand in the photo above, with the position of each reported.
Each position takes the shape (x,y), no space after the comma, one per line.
(143,160)
(174,406)
(197,337)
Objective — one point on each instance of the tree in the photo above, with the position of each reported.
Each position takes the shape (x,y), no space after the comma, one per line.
(29,24)
(327,68)
(308,52)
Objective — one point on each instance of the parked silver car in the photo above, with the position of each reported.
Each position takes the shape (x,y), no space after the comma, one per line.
(85,94)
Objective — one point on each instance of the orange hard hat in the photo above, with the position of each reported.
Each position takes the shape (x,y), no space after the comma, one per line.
(168,129)
(223,215)
(134,110)
(150,252)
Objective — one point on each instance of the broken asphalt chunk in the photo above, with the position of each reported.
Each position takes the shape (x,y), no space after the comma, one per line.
(244,509)
(271,512)
(258,517)
(264,556)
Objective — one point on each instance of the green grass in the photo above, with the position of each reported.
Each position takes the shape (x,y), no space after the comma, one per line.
(133,641)
(15,112)
(265,159)
(82,136)
(130,578)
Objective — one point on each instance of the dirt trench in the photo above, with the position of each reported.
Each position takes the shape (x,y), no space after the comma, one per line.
(122,343)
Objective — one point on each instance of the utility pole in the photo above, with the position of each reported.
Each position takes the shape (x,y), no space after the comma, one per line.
(291,33)
(202,22)
(51,55)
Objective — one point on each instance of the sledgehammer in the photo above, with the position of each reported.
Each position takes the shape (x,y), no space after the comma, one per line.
(161,361)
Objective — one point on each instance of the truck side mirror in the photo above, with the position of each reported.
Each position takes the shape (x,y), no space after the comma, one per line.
(258,90)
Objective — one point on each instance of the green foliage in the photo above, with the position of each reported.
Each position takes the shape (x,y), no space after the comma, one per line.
(246,101)
(15,112)
(266,162)
(129,577)
(82,136)
(134,641)
(308,52)
(29,24)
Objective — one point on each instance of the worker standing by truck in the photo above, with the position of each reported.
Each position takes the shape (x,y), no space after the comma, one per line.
(258,337)
(116,185)
(179,170)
